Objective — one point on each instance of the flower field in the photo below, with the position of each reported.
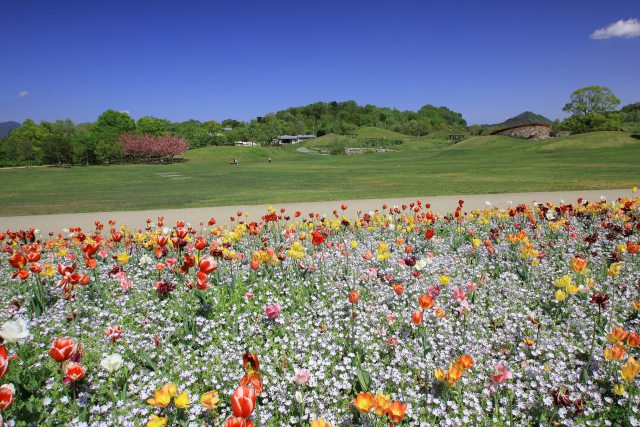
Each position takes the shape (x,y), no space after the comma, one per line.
(399,316)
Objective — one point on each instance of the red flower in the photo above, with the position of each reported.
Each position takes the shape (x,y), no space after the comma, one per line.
(318,237)
(237,422)
(7,393)
(74,372)
(62,349)
(429,234)
(207,265)
(4,360)
(243,401)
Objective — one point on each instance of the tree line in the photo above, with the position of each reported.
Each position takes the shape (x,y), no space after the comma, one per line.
(113,135)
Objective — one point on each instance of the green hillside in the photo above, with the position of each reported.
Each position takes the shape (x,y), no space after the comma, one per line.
(420,167)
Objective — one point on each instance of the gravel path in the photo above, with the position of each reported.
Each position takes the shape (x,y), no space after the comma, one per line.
(443,204)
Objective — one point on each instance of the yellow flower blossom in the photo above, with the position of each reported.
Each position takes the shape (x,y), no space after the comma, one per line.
(123,258)
(560,295)
(156,421)
(614,269)
(182,400)
(444,279)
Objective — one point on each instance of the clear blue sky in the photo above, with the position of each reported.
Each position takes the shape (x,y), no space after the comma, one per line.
(208,60)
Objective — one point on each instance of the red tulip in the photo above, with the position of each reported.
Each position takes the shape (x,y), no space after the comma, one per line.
(62,349)
(74,372)
(237,422)
(207,265)
(318,237)
(416,317)
(429,234)
(243,401)
(7,392)
(4,360)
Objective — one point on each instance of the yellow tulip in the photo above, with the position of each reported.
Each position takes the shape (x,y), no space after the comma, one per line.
(560,295)
(618,389)
(156,421)
(614,269)
(444,279)
(182,400)
(563,282)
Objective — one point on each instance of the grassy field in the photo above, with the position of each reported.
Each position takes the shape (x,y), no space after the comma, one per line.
(421,167)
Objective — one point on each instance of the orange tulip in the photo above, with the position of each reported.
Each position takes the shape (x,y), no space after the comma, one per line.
(426,302)
(440,313)
(614,353)
(465,361)
(633,340)
(578,265)
(364,402)
(396,411)
(617,334)
(210,400)
(633,247)
(440,374)
(354,296)
(416,317)
(398,288)
(381,404)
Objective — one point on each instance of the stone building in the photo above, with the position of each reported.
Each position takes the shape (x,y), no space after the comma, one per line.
(535,131)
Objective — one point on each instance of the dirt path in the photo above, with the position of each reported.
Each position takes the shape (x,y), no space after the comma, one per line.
(443,204)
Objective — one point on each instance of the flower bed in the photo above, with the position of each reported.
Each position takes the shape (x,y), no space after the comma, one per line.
(522,316)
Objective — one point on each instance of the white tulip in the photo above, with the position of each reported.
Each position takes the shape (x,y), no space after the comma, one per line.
(14,330)
(112,362)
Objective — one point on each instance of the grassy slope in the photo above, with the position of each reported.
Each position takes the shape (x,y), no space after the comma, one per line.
(422,166)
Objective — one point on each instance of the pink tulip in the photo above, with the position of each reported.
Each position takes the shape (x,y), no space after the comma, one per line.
(433,290)
(301,377)
(272,311)
(458,295)
(501,374)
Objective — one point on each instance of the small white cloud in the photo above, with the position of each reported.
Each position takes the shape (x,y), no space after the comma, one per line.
(23,94)
(627,29)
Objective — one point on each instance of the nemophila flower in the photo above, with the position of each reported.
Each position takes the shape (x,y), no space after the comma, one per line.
(62,349)
(210,400)
(243,401)
(7,395)
(112,362)
(364,402)
(272,311)
(13,331)
(156,421)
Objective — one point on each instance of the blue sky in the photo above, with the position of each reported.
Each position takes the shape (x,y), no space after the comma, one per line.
(208,60)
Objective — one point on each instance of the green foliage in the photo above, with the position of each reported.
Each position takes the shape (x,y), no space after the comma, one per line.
(153,126)
(631,113)
(593,108)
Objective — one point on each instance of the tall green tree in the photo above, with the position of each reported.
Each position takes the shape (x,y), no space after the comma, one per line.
(106,130)
(593,108)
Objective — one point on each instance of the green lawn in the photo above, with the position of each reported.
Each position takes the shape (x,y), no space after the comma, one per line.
(421,167)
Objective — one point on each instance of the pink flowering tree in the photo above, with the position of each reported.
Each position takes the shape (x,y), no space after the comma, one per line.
(152,146)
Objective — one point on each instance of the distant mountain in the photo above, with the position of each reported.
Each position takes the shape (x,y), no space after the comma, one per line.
(522,119)
(6,127)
